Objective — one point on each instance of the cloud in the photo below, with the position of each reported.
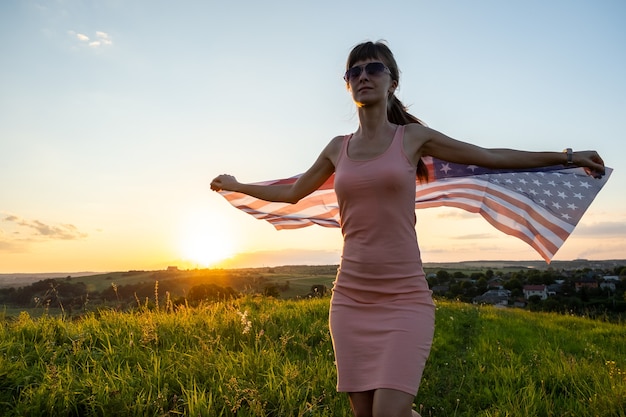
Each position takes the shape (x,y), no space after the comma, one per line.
(602,229)
(49,232)
(474,236)
(12,246)
(282,257)
(456,214)
(603,249)
(102,39)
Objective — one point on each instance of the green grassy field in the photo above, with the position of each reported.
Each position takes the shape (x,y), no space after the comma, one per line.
(260,356)
(301,278)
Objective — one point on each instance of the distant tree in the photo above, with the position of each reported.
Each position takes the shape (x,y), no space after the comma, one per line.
(477,275)
(574,305)
(455,290)
(481,285)
(469,290)
(548,277)
(551,304)
(513,284)
(271,290)
(210,292)
(584,294)
(459,275)
(443,276)
(7,294)
(519,276)
(432,281)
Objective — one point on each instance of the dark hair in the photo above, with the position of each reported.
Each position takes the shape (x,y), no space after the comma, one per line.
(396,111)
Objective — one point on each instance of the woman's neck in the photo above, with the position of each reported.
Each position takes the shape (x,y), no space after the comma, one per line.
(372,122)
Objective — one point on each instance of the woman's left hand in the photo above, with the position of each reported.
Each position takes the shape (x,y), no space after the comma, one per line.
(590,161)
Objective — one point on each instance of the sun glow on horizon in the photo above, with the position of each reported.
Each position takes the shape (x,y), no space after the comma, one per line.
(204,243)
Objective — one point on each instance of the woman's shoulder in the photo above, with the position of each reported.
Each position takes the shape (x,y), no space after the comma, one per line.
(416,129)
(415,136)
(337,142)
(416,132)
(339,138)
(333,149)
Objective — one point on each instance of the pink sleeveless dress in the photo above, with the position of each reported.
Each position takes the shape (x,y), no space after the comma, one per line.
(382,315)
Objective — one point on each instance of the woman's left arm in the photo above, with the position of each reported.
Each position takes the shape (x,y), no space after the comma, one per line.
(438,145)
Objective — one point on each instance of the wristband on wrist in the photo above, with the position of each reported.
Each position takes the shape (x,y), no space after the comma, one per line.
(570,156)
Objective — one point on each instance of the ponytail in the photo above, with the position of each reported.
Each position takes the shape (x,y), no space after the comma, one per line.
(397,113)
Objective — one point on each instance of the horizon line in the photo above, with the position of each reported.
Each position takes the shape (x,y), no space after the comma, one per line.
(87,272)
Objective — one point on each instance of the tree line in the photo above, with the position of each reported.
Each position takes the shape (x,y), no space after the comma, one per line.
(565,296)
(192,287)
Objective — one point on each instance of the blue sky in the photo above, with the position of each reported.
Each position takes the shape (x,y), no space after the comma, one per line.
(115,115)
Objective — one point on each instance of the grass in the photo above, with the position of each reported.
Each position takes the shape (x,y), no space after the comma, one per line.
(500,362)
(264,357)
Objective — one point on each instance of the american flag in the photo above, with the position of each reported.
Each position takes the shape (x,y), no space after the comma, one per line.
(539,206)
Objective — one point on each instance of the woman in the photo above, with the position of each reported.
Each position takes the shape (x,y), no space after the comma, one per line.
(382,314)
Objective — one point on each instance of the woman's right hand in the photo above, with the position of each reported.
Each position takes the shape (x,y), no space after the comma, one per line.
(224,182)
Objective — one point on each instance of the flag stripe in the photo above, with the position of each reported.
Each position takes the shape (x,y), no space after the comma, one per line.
(539,206)
(528,233)
(462,188)
(512,216)
(521,213)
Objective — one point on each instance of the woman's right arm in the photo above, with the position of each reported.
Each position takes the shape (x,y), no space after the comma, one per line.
(308,182)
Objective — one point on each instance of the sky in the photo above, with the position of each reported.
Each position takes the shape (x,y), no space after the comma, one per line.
(116,114)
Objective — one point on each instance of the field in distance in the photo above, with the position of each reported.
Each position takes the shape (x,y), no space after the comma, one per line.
(300,277)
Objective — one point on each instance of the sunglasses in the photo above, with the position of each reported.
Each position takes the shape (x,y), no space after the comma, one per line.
(373,68)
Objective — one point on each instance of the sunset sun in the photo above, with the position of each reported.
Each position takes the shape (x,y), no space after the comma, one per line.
(204,244)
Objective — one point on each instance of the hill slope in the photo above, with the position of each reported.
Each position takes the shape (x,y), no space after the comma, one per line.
(261,357)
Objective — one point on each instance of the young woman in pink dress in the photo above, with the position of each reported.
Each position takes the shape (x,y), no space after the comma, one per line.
(382,313)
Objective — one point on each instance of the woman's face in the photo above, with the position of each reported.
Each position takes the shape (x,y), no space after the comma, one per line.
(370,82)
